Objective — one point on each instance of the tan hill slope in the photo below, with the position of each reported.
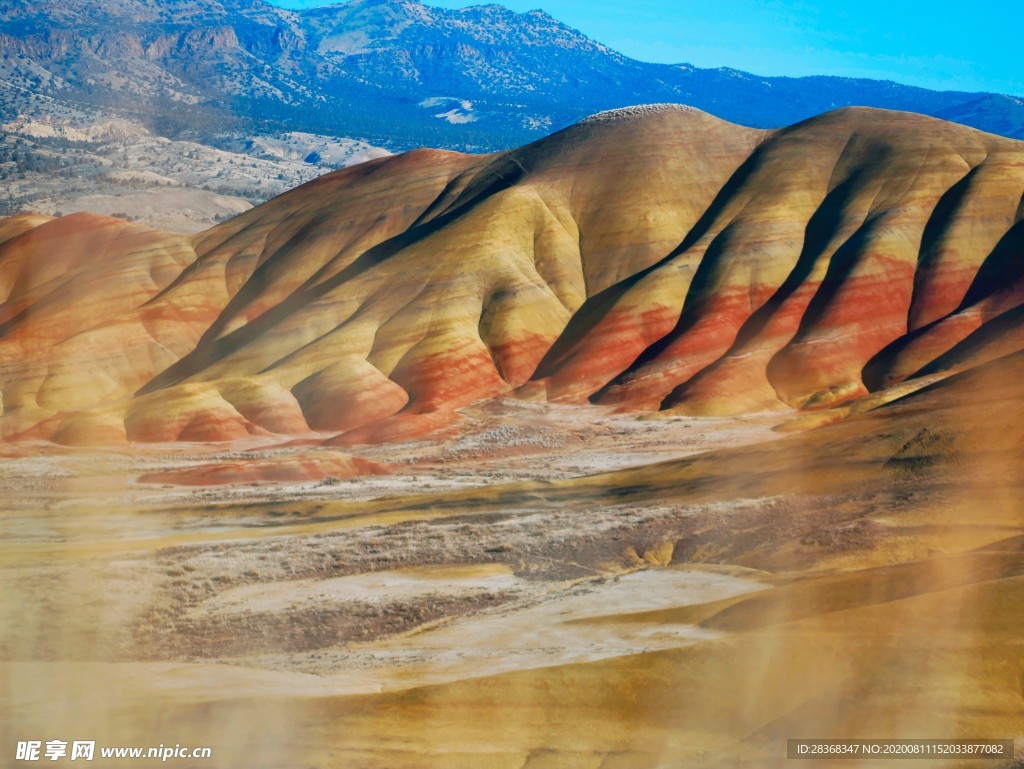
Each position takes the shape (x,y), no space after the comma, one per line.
(648,258)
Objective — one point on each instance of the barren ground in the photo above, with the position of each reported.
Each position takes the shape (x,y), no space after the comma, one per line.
(454,613)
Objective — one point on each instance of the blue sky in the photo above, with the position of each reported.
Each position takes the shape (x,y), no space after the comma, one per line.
(972,46)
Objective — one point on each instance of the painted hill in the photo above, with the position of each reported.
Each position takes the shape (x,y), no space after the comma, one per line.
(649,258)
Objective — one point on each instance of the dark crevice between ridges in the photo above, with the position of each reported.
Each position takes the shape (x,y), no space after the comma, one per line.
(468,187)
(821,227)
(211,350)
(818,234)
(941,220)
(360,171)
(840,267)
(943,214)
(875,370)
(596,307)
(261,276)
(490,311)
(1001,270)
(448,197)
(259,280)
(695,301)
(698,296)
(994,329)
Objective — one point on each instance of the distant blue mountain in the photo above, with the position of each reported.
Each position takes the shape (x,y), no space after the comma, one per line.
(396,72)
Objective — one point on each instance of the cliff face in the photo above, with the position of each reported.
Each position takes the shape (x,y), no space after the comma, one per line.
(650,258)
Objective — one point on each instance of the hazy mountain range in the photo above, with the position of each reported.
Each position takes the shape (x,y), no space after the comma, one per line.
(394,72)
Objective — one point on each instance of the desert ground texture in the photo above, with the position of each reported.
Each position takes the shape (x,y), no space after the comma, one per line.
(543,586)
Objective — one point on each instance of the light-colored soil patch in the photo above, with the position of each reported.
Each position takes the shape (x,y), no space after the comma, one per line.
(400,584)
(549,631)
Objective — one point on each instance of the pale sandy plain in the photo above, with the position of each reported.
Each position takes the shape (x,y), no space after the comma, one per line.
(510,596)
